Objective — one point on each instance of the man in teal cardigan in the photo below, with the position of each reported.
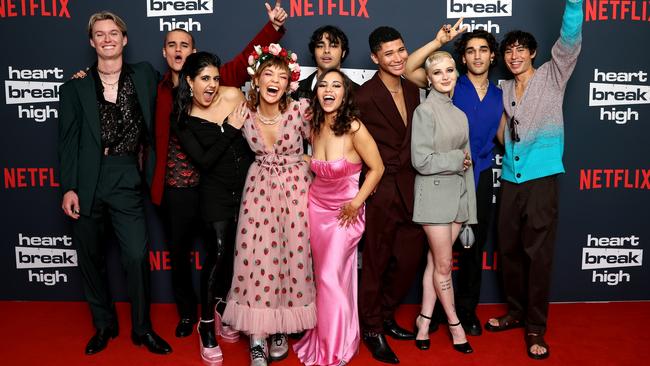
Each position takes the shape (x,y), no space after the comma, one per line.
(105,125)
(534,143)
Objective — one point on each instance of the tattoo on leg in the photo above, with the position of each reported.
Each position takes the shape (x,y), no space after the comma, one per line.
(445,285)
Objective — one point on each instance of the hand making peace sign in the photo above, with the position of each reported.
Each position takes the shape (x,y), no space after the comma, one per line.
(277,15)
(448,32)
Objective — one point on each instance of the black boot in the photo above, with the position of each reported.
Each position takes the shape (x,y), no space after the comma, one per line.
(378,346)
(393,329)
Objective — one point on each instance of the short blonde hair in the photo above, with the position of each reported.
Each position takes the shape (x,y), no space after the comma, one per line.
(106,15)
(436,57)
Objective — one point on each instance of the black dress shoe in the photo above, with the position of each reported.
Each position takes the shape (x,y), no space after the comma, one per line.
(152,341)
(471,323)
(99,341)
(378,346)
(184,328)
(396,332)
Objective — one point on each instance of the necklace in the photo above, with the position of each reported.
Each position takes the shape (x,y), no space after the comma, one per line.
(109,72)
(110,85)
(482,87)
(269,121)
(395,91)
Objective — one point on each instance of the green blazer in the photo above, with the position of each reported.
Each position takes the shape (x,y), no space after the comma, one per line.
(80,146)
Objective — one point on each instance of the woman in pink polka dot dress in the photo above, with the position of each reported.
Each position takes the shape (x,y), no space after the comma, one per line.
(272,290)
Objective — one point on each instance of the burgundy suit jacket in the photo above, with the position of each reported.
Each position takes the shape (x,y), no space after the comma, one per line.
(382,119)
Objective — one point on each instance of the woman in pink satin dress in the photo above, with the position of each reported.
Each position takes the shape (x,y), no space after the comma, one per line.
(341,145)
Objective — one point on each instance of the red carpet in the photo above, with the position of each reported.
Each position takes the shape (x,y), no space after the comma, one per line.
(55,333)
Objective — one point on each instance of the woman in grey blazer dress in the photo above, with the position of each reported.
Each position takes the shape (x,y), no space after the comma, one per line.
(444,192)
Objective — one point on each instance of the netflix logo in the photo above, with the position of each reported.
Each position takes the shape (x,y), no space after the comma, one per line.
(604,10)
(15,178)
(33,8)
(614,179)
(344,8)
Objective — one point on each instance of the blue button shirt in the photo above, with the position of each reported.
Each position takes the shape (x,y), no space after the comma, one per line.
(483,117)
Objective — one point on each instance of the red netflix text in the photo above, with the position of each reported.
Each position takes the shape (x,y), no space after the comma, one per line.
(159,260)
(344,8)
(489,261)
(601,10)
(614,178)
(29,178)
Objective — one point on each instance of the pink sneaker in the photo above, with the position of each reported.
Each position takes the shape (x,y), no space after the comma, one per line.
(211,356)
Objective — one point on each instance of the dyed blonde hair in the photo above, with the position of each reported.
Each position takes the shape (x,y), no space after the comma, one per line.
(106,15)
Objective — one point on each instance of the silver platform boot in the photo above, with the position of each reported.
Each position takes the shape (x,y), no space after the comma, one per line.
(258,351)
(279,347)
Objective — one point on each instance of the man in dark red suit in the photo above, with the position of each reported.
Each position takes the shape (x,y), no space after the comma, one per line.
(394,245)
(175,180)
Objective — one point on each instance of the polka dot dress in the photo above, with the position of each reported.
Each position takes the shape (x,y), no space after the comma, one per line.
(273,286)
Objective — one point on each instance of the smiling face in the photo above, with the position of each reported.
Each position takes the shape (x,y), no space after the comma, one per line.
(442,75)
(178,45)
(477,56)
(273,83)
(518,59)
(204,86)
(107,39)
(331,92)
(391,57)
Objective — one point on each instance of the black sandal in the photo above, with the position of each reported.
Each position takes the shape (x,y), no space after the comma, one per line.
(537,340)
(506,322)
(421,344)
(460,347)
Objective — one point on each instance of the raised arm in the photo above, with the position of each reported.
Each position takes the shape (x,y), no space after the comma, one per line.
(367,149)
(233,73)
(424,158)
(564,55)
(415,63)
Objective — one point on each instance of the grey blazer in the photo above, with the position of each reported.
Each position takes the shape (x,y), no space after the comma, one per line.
(440,137)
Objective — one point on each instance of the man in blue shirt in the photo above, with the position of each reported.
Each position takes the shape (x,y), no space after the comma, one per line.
(481,101)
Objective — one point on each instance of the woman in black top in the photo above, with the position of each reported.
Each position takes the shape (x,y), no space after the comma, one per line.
(207,120)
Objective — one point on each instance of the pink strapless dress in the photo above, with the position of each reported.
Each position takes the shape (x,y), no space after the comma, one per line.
(335,339)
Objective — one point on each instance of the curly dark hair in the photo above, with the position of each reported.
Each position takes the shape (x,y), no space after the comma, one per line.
(334,34)
(254,95)
(461,44)
(193,65)
(524,39)
(347,112)
(381,35)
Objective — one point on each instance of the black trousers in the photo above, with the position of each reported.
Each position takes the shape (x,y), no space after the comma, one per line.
(470,261)
(528,216)
(393,249)
(118,197)
(216,274)
(182,220)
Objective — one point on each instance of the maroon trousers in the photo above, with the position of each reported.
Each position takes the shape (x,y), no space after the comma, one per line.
(528,217)
(392,252)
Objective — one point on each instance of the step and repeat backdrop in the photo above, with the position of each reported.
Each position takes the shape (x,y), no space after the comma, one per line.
(604,195)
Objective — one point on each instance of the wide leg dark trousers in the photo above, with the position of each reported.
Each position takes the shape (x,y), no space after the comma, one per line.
(119,197)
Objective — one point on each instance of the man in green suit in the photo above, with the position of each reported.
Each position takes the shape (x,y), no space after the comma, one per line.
(105,125)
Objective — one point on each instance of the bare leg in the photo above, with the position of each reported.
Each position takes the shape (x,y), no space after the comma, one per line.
(441,239)
(428,299)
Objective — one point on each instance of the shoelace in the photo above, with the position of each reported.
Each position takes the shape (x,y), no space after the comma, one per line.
(258,352)
(278,339)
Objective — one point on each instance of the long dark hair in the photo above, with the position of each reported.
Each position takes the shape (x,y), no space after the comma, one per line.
(192,67)
(346,113)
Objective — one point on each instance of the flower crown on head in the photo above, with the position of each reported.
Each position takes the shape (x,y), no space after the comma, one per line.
(262,54)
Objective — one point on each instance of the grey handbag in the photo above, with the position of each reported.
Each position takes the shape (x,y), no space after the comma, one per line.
(466,236)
